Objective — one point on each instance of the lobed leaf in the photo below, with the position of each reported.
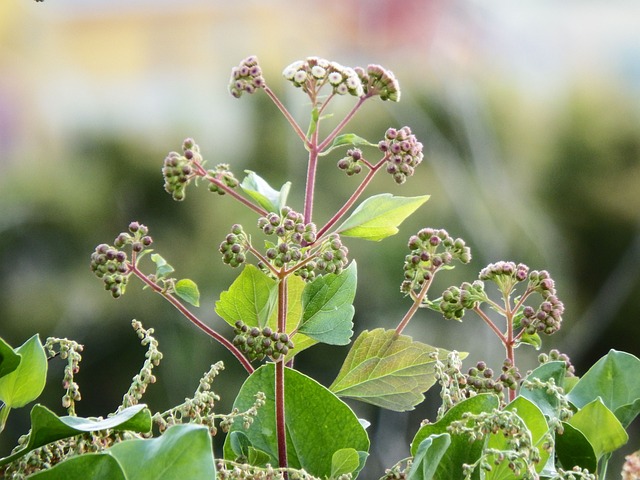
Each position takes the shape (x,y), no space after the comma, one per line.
(251,298)
(378,217)
(263,194)
(327,307)
(318,423)
(388,370)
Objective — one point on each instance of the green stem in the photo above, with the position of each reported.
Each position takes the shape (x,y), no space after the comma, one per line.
(193,319)
(281,429)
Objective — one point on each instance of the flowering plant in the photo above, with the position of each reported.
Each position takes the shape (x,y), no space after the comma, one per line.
(295,288)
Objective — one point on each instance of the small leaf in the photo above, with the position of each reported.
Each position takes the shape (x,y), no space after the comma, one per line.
(251,298)
(262,193)
(188,291)
(318,423)
(600,426)
(328,310)
(9,359)
(428,456)
(182,452)
(162,267)
(26,382)
(344,461)
(239,443)
(531,339)
(388,370)
(47,427)
(616,379)
(348,139)
(378,217)
(96,466)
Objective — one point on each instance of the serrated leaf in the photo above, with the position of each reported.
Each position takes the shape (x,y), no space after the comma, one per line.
(26,382)
(348,139)
(47,427)
(616,379)
(378,217)
(251,298)
(162,267)
(263,194)
(318,423)
(187,290)
(344,461)
(388,370)
(428,456)
(9,359)
(328,310)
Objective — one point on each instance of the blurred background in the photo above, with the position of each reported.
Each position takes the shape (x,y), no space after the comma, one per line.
(530,117)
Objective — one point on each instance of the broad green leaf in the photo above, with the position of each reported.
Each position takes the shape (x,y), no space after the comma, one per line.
(428,456)
(344,461)
(600,426)
(187,290)
(262,193)
(547,402)
(26,382)
(94,466)
(328,310)
(162,267)
(318,423)
(573,449)
(348,139)
(182,452)
(47,427)
(251,298)
(388,370)
(461,449)
(537,425)
(378,217)
(615,378)
(9,359)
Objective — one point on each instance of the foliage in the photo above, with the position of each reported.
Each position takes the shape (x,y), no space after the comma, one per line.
(298,292)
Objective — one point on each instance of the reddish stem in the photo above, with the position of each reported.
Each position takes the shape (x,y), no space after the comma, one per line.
(193,319)
(417,300)
(281,429)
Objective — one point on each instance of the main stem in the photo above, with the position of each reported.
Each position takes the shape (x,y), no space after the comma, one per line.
(281,429)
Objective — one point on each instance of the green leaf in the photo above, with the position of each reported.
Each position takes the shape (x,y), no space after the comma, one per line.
(378,217)
(251,298)
(183,451)
(26,382)
(96,466)
(532,339)
(538,428)
(9,359)
(328,310)
(348,139)
(343,461)
(162,267)
(615,378)
(187,290)
(547,402)
(388,370)
(318,423)
(461,449)
(262,193)
(600,426)
(47,427)
(428,456)
(573,449)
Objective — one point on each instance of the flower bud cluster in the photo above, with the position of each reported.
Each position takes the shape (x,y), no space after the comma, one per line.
(351,164)
(556,356)
(376,80)
(333,257)
(145,377)
(431,249)
(234,246)
(505,274)
(246,77)
(259,343)
(110,264)
(480,378)
(178,169)
(631,467)
(403,151)
(70,351)
(455,301)
(313,73)
(222,174)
